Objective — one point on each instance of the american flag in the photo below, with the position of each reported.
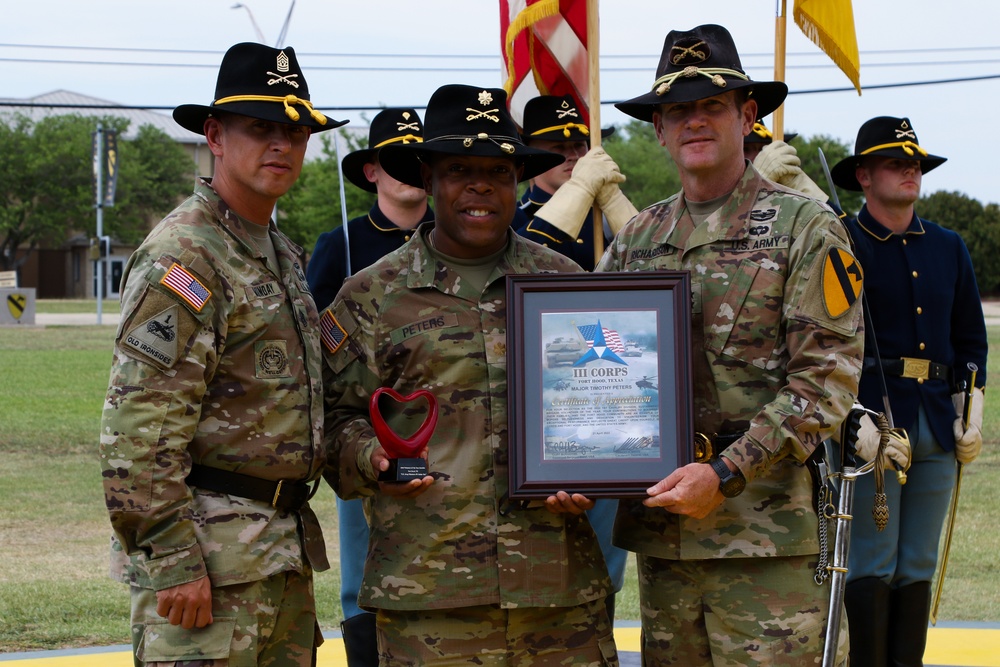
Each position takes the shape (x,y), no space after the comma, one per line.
(332,334)
(544,47)
(188,287)
(611,337)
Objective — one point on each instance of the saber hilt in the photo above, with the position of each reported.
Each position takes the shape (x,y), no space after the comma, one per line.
(969,390)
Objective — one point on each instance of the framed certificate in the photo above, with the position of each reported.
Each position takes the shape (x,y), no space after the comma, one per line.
(598,381)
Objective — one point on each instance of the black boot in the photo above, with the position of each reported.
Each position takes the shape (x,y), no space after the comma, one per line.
(909,610)
(359,640)
(867,603)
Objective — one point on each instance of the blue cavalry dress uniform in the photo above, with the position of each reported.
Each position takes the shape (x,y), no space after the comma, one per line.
(370,237)
(580,250)
(926,325)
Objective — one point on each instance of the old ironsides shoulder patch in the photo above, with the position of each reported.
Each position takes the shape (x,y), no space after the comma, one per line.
(842,282)
(156,338)
(332,334)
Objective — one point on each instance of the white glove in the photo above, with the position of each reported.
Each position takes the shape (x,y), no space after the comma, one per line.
(776,161)
(897,449)
(615,206)
(780,163)
(968,441)
(568,207)
(801,182)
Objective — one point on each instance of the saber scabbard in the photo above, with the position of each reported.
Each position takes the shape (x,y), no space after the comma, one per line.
(969,388)
(841,548)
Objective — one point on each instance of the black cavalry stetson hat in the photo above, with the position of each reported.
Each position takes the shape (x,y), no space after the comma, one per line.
(470,121)
(389,126)
(697,64)
(260,82)
(761,135)
(556,118)
(886,136)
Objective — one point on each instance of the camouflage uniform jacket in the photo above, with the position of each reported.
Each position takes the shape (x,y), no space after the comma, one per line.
(412,324)
(216,362)
(776,355)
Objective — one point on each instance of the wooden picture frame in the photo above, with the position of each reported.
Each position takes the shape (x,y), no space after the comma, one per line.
(599,381)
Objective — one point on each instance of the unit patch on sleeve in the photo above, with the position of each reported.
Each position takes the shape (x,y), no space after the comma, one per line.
(182,283)
(156,338)
(332,334)
(842,282)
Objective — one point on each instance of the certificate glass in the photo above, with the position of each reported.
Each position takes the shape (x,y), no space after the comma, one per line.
(599,381)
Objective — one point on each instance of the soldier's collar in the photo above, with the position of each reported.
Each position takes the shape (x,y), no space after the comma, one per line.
(871,226)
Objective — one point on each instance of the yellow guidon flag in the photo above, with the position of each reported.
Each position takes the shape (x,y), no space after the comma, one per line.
(842,281)
(829,24)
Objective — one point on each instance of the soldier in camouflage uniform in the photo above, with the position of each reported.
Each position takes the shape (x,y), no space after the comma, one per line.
(457,573)
(727,550)
(211,434)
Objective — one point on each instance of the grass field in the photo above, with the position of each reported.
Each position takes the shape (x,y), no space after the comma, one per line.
(54,532)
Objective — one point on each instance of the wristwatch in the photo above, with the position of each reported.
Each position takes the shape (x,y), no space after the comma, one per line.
(731,484)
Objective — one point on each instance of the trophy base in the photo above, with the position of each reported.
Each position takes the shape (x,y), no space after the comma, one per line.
(403,470)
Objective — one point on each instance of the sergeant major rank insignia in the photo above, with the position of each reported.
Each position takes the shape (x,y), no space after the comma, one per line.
(842,282)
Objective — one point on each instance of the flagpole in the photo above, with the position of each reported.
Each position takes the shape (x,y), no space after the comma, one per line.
(594,107)
(778,119)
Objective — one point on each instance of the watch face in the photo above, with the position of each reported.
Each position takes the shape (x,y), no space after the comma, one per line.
(730,484)
(733,486)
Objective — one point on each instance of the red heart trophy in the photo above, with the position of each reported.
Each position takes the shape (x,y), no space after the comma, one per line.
(404,463)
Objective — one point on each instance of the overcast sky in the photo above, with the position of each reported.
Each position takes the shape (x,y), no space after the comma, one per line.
(339,44)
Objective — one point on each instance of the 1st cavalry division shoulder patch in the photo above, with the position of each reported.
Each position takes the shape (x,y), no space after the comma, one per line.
(332,334)
(842,282)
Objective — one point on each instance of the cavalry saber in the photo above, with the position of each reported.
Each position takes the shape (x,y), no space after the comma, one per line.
(900,473)
(841,547)
(953,510)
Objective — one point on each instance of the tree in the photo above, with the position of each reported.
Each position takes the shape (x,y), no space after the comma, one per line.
(834,151)
(312,206)
(978,226)
(154,174)
(47,181)
(650,171)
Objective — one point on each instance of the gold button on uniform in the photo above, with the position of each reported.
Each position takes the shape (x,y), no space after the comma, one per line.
(914,274)
(922,346)
(919,310)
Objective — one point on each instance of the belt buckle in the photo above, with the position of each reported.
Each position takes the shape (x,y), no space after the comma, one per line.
(703,451)
(277,494)
(916,369)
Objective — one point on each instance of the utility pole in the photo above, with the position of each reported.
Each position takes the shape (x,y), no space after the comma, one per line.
(99,203)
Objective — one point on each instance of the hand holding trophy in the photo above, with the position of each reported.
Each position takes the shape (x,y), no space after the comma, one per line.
(405,462)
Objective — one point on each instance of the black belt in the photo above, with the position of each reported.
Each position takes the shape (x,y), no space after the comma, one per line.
(284,494)
(709,447)
(910,367)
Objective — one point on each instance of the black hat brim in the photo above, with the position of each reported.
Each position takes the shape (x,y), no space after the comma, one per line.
(353,168)
(559,135)
(844,172)
(192,116)
(768,94)
(403,161)
(754,138)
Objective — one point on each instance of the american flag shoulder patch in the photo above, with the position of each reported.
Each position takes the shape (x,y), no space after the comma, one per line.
(332,334)
(182,283)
